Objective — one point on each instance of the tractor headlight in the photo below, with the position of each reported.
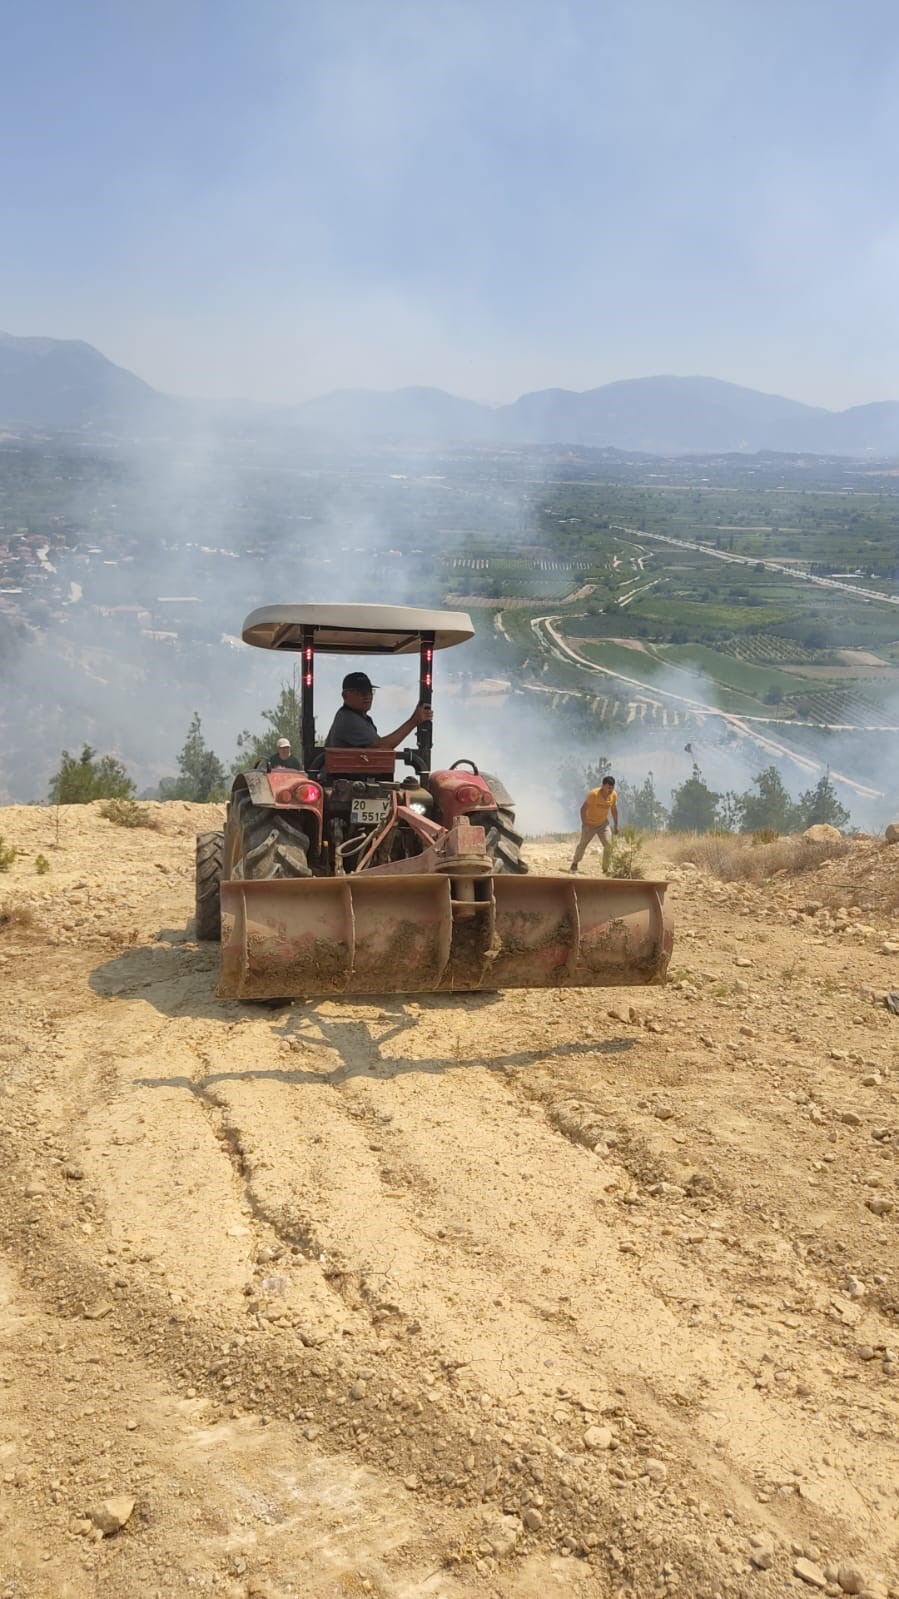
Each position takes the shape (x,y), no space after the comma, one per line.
(418,808)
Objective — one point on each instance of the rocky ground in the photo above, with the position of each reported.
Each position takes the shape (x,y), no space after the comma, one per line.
(585,1293)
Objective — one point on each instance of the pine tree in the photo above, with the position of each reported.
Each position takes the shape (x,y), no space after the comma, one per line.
(89,777)
(820,804)
(771,808)
(642,808)
(694,806)
(202,775)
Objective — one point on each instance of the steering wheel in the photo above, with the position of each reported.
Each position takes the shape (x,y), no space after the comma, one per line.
(465,762)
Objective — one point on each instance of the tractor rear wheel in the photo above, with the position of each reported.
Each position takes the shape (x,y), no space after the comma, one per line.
(210,855)
(269,842)
(503,841)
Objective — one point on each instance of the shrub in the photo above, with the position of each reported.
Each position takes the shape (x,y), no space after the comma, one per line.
(7,855)
(15,916)
(41,865)
(765,835)
(626,853)
(127,813)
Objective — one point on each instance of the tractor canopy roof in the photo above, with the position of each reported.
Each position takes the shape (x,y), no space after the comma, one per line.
(355,629)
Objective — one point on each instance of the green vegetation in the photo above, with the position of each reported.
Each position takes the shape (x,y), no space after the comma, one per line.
(766,813)
(41,865)
(201,773)
(820,804)
(7,855)
(771,809)
(89,777)
(627,854)
(694,806)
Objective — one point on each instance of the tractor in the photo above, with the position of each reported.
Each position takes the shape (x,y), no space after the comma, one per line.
(345,878)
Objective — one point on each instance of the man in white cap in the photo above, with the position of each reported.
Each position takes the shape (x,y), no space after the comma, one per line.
(283,758)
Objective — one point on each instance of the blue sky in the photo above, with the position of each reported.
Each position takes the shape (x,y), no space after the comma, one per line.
(280,198)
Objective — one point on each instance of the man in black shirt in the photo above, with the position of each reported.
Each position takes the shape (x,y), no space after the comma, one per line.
(283,758)
(353,728)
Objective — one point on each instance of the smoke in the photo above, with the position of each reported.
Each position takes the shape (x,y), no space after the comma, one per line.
(172,542)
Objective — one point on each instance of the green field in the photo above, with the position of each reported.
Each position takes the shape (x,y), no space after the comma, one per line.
(676,677)
(729,671)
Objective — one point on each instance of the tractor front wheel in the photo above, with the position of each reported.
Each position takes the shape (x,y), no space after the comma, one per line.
(269,844)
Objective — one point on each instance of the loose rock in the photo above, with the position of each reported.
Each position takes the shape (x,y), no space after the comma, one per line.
(761,1553)
(850,1579)
(810,1573)
(112,1514)
(503,1535)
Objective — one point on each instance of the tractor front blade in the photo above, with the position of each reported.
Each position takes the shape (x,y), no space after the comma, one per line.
(420,933)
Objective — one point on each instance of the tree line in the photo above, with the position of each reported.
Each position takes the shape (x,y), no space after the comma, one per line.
(766,807)
(201,776)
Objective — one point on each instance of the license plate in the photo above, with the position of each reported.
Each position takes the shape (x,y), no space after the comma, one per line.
(370,811)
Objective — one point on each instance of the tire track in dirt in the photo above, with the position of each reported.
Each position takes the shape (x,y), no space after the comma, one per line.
(365,1231)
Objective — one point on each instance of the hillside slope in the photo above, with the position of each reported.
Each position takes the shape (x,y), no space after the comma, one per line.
(66,384)
(586,1293)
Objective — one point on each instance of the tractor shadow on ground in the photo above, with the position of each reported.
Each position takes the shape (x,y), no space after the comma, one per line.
(356,1053)
(177,977)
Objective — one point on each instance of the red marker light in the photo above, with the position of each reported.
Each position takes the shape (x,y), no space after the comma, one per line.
(307,793)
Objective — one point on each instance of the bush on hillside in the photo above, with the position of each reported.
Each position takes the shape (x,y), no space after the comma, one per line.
(127,813)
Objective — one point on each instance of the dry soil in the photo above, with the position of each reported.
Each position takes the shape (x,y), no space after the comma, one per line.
(576,1293)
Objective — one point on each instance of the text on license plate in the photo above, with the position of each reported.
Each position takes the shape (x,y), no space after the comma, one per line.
(370,811)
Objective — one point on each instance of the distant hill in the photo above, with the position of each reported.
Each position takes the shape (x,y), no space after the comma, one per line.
(62,384)
(659,415)
(58,384)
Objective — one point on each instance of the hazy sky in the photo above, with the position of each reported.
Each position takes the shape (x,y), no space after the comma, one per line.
(273,198)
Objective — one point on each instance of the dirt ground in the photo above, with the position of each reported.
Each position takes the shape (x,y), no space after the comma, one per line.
(576,1293)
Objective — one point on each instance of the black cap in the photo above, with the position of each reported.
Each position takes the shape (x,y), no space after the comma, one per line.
(359,682)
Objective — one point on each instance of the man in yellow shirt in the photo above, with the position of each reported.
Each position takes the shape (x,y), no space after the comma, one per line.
(599,819)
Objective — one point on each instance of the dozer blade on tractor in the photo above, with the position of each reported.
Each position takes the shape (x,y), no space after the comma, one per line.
(426,933)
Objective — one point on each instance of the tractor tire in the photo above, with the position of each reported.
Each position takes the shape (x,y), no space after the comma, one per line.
(503,842)
(210,854)
(269,843)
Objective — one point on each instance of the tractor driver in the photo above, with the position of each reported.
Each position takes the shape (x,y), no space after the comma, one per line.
(353,728)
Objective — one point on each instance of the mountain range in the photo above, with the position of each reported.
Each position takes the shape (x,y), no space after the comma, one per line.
(65,385)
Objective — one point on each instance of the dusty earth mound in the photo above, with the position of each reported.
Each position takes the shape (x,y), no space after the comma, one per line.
(577,1293)
(868,878)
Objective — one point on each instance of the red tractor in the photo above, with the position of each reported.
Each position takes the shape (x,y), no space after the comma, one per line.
(344,878)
